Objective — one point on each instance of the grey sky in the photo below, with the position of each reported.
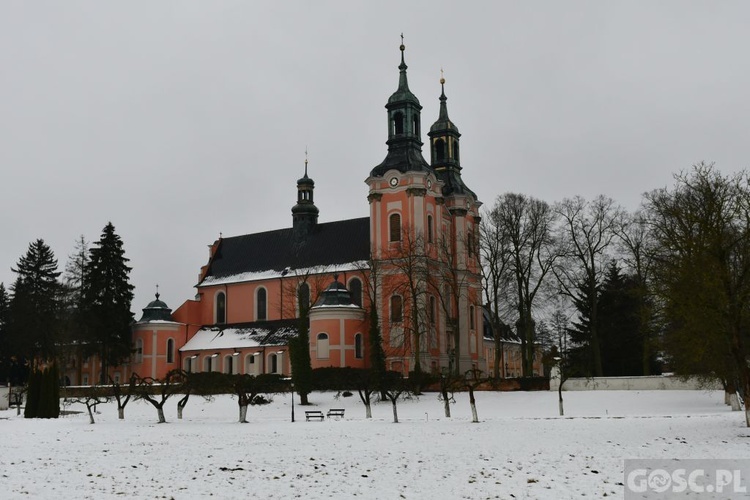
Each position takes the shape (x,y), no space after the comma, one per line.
(179,120)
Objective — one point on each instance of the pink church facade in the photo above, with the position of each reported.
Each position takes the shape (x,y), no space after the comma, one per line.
(414,259)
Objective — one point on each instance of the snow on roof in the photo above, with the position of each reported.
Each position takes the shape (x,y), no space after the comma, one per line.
(210,338)
(272,273)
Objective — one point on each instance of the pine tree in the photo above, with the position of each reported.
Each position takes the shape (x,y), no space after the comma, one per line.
(35,306)
(107,296)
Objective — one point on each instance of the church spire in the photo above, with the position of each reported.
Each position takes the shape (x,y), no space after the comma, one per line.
(404,127)
(304,213)
(444,150)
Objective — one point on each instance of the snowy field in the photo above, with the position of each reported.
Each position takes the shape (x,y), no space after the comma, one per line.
(520,449)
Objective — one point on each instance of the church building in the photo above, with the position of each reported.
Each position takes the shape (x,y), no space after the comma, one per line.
(415,260)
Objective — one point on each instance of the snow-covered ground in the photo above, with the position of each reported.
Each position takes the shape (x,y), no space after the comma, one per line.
(520,449)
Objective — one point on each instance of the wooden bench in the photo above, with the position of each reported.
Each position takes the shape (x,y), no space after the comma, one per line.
(335,412)
(313,414)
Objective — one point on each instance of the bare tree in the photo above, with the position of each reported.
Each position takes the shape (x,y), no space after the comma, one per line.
(495,257)
(408,260)
(123,396)
(473,379)
(157,392)
(526,226)
(92,395)
(637,250)
(588,229)
(249,389)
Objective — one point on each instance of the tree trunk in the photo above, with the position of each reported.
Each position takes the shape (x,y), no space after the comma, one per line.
(160,412)
(303,400)
(473,403)
(91,414)
(447,407)
(179,411)
(395,411)
(243,414)
(560,398)
(121,412)
(734,402)
(368,410)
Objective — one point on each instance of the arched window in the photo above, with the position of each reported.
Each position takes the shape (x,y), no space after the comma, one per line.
(208,363)
(415,124)
(303,298)
(251,366)
(261,304)
(440,149)
(170,351)
(394,224)
(139,351)
(455,150)
(398,123)
(472,320)
(229,364)
(355,289)
(429,229)
(358,346)
(322,347)
(188,364)
(397,312)
(221,308)
(433,307)
(274,362)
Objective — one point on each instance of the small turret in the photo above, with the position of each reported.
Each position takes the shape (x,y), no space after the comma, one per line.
(304,213)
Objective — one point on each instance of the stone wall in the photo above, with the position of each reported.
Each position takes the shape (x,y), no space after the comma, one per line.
(4,397)
(651,383)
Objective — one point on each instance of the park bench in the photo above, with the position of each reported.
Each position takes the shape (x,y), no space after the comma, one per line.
(312,414)
(335,412)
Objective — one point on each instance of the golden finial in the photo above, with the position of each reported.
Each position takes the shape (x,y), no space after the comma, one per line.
(402,43)
(442,79)
(305,161)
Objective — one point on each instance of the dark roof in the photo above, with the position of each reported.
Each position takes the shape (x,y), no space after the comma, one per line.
(326,244)
(156,310)
(335,295)
(506,333)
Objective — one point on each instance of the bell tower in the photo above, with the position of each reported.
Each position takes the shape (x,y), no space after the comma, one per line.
(404,128)
(304,213)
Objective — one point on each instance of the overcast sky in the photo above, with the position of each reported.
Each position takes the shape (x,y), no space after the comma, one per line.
(177,121)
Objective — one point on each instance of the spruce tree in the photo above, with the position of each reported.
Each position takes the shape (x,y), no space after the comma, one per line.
(5,358)
(107,296)
(35,305)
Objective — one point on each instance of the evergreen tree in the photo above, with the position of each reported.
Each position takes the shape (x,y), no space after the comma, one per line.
(377,354)
(73,319)
(107,295)
(580,355)
(5,358)
(35,305)
(621,324)
(299,354)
